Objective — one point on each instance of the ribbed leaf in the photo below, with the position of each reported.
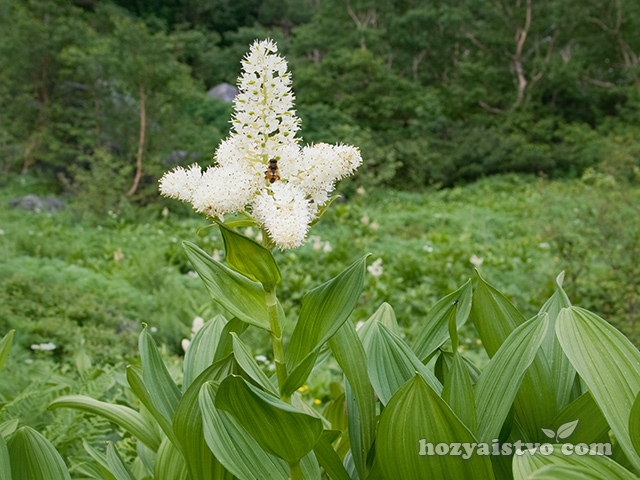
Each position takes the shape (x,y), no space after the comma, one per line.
(116,465)
(5,347)
(458,393)
(233,446)
(249,258)
(390,361)
(599,465)
(246,361)
(187,423)
(434,331)
(244,298)
(170,464)
(33,457)
(5,463)
(164,393)
(329,459)
(417,412)
(202,349)
(609,365)
(101,461)
(310,467)
(324,310)
(279,428)
(634,424)
(593,427)
(134,378)
(8,427)
(361,406)
(495,318)
(126,417)
(567,472)
(225,345)
(562,373)
(501,378)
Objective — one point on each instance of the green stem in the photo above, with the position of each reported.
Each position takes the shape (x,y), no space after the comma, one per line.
(296,471)
(276,339)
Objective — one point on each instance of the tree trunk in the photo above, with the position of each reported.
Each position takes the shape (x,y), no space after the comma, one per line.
(141,140)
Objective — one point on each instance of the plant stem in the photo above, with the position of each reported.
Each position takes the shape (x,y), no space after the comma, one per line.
(296,471)
(276,339)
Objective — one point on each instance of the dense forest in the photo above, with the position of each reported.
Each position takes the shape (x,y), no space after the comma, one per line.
(103,96)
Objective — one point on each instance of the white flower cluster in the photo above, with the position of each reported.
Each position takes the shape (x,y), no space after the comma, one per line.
(261,164)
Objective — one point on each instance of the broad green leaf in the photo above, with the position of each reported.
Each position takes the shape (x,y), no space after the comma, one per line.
(310,467)
(296,378)
(238,451)
(145,461)
(5,463)
(8,427)
(324,310)
(386,316)
(562,373)
(170,464)
(495,318)
(592,426)
(134,378)
(34,457)
(501,378)
(435,326)
(101,460)
(132,421)
(417,413)
(361,406)
(5,347)
(458,393)
(225,345)
(202,349)
(599,465)
(566,472)
(243,298)
(188,427)
(163,390)
(390,361)
(329,459)
(634,424)
(246,361)
(609,365)
(279,428)
(116,465)
(249,258)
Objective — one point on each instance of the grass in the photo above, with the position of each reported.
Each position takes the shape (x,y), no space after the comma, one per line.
(92,282)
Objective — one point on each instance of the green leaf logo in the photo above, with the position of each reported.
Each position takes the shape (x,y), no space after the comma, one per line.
(567,429)
(563,432)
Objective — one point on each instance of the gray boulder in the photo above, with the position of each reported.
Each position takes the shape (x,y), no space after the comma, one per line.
(223,91)
(36,203)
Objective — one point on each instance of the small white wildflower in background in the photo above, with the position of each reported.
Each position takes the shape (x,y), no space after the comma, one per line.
(216,255)
(427,248)
(544,245)
(118,255)
(165,212)
(197,324)
(365,219)
(327,247)
(153,329)
(248,232)
(316,242)
(43,346)
(374,226)
(185,344)
(193,274)
(1,232)
(476,261)
(360,191)
(263,130)
(259,236)
(261,359)
(375,269)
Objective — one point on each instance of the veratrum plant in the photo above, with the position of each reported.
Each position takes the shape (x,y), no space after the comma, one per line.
(409,411)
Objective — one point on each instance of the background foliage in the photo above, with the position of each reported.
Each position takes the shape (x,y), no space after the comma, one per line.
(434,92)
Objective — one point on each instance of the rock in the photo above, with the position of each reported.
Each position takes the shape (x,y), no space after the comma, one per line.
(37,204)
(223,91)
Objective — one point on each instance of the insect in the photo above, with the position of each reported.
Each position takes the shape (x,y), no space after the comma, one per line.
(272,174)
